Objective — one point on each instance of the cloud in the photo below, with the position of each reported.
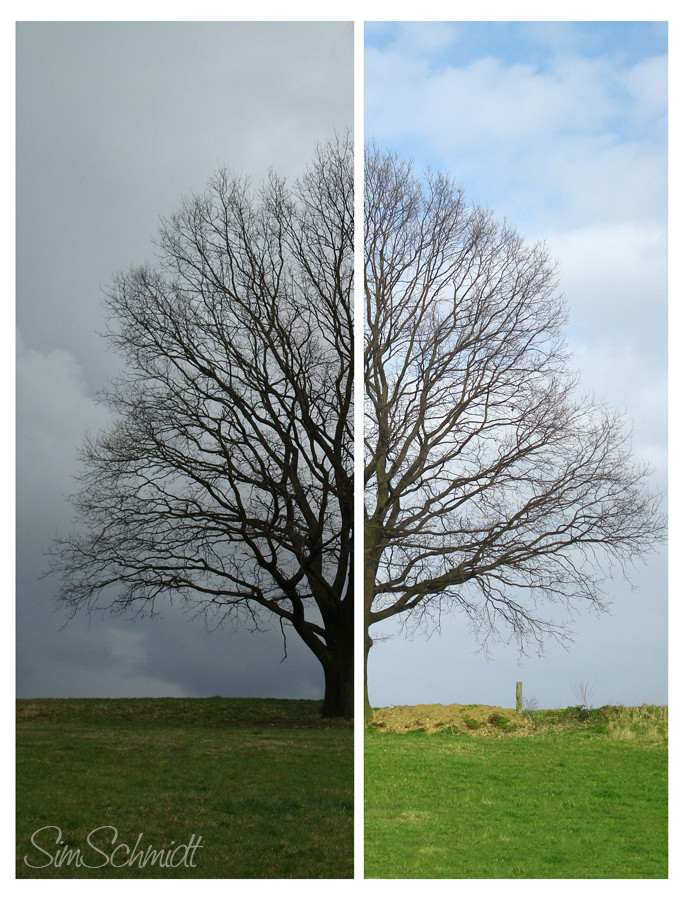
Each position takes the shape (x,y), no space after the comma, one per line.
(415,39)
(484,101)
(54,410)
(577,137)
(116,121)
(571,149)
(644,84)
(615,277)
(561,128)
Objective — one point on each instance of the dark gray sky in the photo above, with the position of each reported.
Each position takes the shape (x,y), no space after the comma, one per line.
(115,123)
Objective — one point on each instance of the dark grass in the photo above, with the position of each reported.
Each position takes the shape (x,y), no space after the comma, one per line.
(571,804)
(267,784)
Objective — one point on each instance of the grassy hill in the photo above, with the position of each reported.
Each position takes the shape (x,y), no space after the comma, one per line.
(642,723)
(481,792)
(265,784)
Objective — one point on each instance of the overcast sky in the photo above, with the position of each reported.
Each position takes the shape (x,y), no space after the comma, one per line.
(562,129)
(115,123)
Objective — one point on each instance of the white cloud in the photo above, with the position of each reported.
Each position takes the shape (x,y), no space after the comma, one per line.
(615,281)
(584,138)
(573,153)
(422,38)
(645,82)
(463,106)
(621,376)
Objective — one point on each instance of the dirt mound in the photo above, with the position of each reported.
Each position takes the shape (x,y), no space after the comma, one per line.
(457,718)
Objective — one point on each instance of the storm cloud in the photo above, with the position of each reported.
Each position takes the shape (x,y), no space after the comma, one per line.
(116,122)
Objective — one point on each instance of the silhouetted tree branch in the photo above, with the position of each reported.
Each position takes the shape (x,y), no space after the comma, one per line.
(486,472)
(226,480)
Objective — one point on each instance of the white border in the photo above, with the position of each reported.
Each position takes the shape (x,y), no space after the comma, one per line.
(359,448)
(370,11)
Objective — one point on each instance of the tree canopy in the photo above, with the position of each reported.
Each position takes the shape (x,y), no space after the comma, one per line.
(226,480)
(492,484)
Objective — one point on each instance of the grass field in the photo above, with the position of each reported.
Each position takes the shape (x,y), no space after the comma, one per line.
(267,785)
(477,793)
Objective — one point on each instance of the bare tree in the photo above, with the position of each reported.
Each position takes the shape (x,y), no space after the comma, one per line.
(226,482)
(491,485)
(583,692)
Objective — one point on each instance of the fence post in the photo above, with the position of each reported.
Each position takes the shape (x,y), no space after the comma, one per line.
(519,696)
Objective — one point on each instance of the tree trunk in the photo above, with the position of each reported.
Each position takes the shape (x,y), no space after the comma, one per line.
(338,701)
(338,657)
(368,712)
(369,584)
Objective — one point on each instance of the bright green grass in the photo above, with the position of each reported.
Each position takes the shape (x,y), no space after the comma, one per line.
(266,783)
(571,805)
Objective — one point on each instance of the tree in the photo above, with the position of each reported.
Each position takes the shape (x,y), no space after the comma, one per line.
(491,485)
(225,482)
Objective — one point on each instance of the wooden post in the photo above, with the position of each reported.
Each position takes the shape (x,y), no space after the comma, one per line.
(519,696)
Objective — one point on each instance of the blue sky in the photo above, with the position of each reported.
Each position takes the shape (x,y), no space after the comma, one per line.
(530,43)
(508,103)
(561,128)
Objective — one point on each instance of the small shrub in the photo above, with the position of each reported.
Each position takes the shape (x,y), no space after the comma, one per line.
(584,692)
(500,721)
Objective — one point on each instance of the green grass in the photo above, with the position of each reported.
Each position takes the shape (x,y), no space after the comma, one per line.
(576,796)
(266,783)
